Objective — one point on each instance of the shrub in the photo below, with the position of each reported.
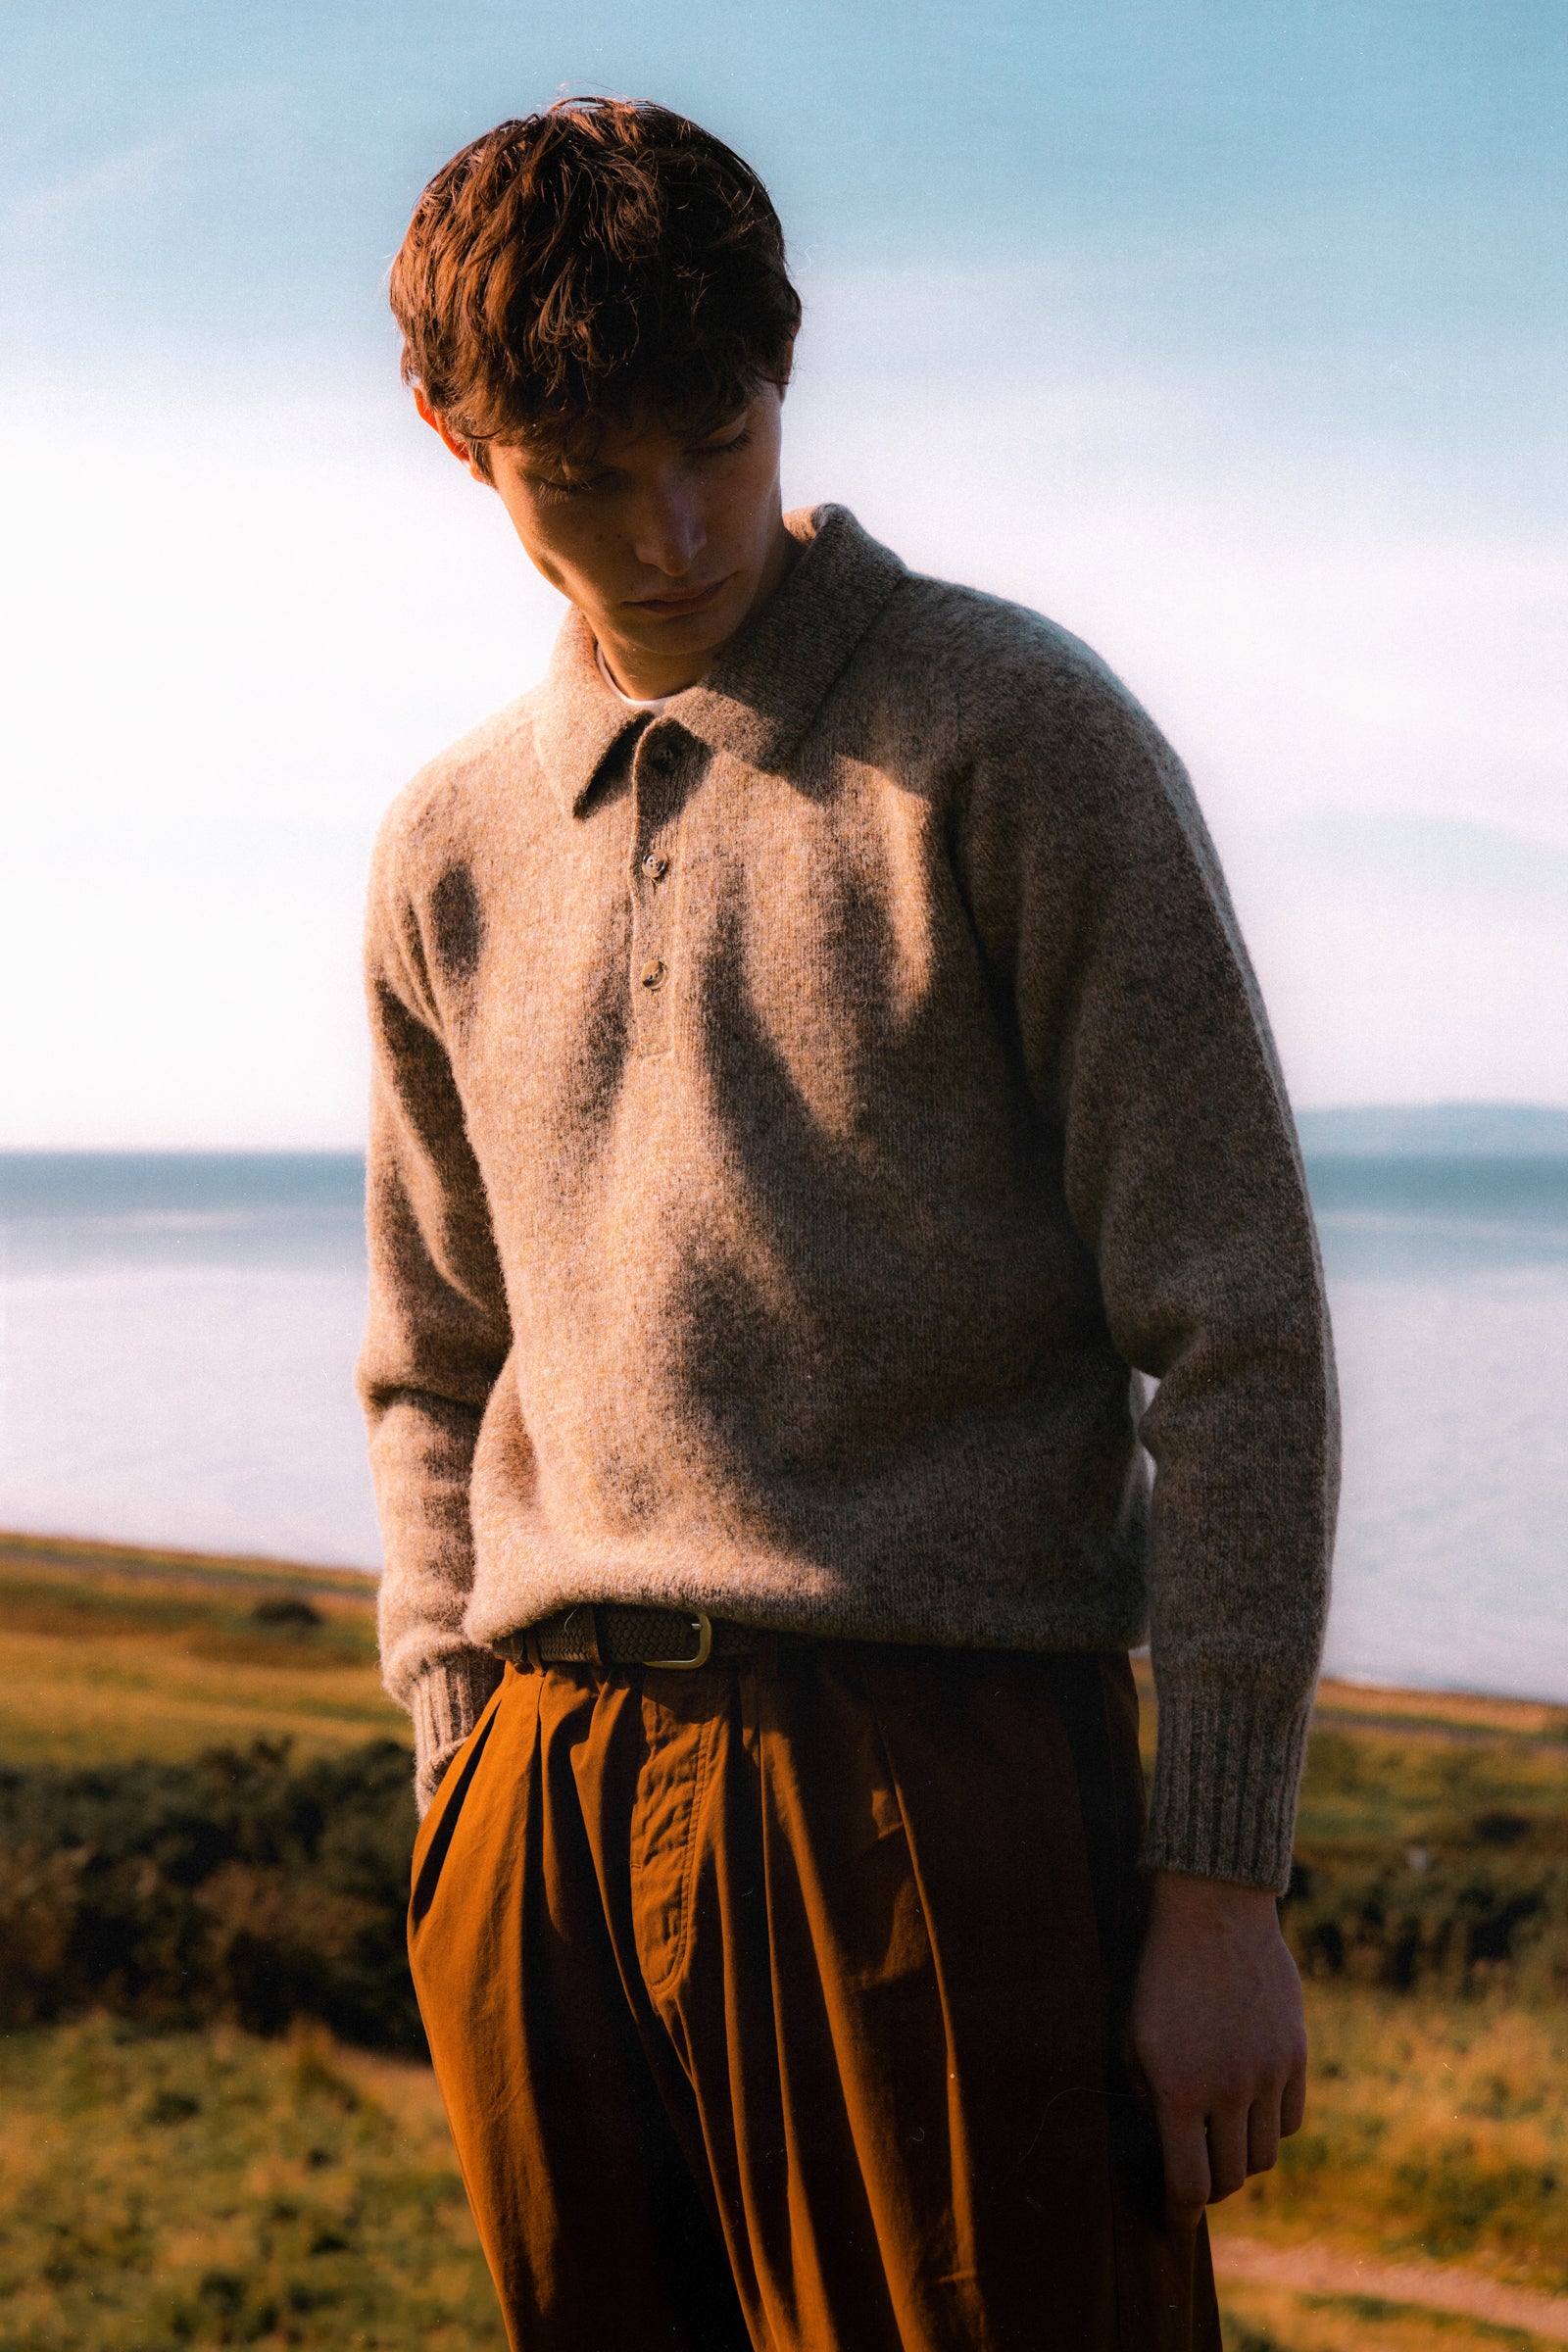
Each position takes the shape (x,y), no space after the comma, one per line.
(241,1886)
(1462,1921)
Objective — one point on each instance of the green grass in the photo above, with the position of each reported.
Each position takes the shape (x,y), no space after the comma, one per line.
(1368,1790)
(1391,1769)
(1435,2131)
(195,2190)
(109,1654)
(1271,2319)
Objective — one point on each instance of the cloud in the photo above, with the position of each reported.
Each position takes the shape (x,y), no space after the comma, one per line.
(1408,957)
(100,186)
(1314,625)
(235,621)
(1426,862)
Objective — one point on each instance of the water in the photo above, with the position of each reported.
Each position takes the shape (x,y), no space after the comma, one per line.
(179,1336)
(1449,1280)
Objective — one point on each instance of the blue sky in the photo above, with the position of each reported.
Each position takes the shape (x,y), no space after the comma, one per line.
(1233,336)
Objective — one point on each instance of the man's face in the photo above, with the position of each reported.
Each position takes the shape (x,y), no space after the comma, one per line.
(666,544)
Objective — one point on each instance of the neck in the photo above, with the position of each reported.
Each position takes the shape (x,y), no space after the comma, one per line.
(647,677)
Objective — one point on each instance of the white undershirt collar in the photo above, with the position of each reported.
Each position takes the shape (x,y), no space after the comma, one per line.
(658,702)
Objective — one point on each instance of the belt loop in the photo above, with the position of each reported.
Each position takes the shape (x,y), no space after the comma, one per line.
(531,1643)
(595,1652)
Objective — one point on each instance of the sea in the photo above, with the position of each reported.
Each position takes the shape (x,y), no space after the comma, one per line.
(180,1331)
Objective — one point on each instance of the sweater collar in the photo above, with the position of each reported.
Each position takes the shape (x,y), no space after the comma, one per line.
(761,696)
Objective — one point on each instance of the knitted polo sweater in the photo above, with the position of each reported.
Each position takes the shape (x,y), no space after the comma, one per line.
(795,1118)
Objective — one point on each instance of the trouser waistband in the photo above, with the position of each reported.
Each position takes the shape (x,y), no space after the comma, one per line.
(619,1634)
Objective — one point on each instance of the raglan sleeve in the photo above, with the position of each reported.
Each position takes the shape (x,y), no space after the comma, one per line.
(1149,1053)
(437,1331)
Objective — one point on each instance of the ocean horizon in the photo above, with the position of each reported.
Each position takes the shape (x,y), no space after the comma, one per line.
(180,1331)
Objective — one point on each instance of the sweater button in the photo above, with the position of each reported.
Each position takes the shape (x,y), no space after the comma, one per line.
(653,975)
(655,866)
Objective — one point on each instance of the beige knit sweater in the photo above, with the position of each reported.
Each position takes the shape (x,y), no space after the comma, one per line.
(794,1116)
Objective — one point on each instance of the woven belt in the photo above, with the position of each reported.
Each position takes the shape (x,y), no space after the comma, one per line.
(616,1633)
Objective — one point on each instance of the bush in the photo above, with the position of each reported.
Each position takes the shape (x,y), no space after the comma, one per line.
(1460,1921)
(241,1886)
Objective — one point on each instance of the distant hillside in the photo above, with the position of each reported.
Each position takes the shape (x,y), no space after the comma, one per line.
(1436,1130)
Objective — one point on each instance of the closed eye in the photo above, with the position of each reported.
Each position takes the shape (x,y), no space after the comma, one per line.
(551,489)
(725,449)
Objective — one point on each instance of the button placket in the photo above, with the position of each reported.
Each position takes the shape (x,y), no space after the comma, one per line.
(656,777)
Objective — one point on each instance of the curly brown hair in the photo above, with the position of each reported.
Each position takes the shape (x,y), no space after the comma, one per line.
(598,261)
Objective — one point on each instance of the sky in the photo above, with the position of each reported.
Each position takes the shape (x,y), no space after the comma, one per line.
(1231,335)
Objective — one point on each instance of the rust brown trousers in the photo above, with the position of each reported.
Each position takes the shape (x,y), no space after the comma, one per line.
(777,2005)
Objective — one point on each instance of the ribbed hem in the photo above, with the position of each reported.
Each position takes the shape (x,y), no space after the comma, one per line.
(446,1702)
(1226,1777)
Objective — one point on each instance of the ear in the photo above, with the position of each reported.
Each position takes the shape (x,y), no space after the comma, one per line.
(462,450)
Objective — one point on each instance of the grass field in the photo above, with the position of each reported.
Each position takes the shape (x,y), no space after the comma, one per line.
(164,2193)
(108,1654)
(207,2188)
(1437,2129)
(1262,2319)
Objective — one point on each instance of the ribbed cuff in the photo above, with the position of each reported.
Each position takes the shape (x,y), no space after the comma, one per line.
(1226,1776)
(446,1702)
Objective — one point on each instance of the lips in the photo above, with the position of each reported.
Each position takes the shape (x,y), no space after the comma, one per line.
(672,606)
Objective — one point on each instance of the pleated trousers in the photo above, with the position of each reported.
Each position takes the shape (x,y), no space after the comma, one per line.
(779,2005)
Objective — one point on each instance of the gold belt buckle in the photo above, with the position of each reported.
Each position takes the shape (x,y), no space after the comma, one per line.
(704,1644)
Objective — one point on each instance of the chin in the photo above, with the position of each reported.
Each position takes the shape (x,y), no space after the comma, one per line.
(695,632)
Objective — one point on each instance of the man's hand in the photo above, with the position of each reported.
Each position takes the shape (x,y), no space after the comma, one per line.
(1217,2030)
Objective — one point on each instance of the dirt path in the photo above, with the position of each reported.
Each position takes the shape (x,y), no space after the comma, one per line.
(1316,2271)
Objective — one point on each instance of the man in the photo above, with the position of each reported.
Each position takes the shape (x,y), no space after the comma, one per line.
(817,1070)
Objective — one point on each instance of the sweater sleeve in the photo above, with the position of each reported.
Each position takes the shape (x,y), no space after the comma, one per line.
(436,1337)
(1150,1055)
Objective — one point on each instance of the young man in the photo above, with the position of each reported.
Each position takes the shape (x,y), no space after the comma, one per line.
(816,1072)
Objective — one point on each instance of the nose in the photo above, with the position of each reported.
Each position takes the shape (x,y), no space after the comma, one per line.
(670,533)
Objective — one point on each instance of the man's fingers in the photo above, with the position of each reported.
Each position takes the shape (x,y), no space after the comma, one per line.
(1184,2147)
(1227,2152)
(1208,2158)
(1263,2134)
(1293,2104)
(1275,2115)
